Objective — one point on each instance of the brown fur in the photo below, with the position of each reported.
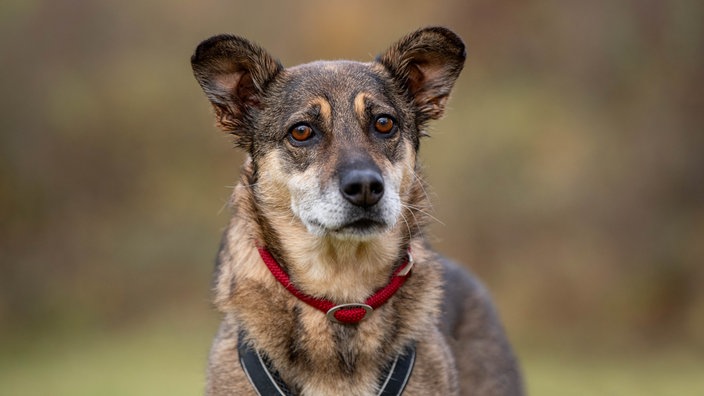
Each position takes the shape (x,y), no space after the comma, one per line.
(289,201)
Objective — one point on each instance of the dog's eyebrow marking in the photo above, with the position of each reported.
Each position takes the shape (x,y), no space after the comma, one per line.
(360,104)
(325,110)
(365,102)
(317,109)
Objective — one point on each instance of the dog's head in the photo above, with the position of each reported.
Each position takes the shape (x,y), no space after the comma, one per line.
(332,144)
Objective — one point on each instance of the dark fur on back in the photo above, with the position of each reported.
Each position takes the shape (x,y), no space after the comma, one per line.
(338,200)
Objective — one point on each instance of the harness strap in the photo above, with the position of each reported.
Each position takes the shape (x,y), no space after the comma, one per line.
(267,381)
(256,367)
(397,375)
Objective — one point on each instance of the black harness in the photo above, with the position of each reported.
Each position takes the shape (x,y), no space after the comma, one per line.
(267,381)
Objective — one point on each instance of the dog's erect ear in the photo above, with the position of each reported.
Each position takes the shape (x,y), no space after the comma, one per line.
(426,63)
(234,73)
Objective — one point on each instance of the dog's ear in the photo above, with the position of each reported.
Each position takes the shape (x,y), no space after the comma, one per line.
(234,74)
(426,64)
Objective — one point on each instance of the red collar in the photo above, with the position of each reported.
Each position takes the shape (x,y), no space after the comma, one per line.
(343,313)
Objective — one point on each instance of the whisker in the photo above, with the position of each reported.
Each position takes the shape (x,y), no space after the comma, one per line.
(418,208)
(427,198)
(420,184)
(227,202)
(222,208)
(408,226)
(420,229)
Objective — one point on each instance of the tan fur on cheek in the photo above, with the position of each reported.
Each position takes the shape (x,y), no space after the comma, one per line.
(272,183)
(282,190)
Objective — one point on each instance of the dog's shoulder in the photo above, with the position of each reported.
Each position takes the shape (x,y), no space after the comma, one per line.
(466,302)
(472,328)
(463,296)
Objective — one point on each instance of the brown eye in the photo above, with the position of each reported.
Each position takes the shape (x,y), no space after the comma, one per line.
(301,133)
(384,124)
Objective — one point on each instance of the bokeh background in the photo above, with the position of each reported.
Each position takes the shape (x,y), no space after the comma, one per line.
(568,174)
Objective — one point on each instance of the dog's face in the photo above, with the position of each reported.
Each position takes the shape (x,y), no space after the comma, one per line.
(340,144)
(332,143)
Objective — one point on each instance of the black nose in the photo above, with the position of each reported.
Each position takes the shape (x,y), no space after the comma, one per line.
(362,187)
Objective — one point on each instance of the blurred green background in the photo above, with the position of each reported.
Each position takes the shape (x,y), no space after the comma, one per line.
(568,174)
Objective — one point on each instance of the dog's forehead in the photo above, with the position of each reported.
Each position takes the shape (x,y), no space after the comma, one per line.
(335,77)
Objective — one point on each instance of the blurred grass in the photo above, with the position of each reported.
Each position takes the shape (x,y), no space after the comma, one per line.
(167,356)
(164,356)
(663,374)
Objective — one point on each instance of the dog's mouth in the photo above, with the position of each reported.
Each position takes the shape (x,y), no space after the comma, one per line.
(360,227)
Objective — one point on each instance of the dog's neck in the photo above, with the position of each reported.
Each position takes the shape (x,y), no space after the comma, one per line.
(345,271)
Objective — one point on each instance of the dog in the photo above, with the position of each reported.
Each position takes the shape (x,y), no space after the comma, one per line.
(324,279)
